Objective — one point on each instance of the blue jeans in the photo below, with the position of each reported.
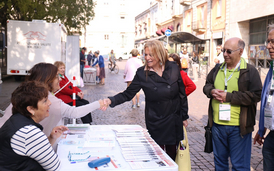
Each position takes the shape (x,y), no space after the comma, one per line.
(268,152)
(227,142)
(82,69)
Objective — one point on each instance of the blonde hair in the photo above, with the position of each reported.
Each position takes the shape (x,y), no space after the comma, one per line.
(157,50)
(59,63)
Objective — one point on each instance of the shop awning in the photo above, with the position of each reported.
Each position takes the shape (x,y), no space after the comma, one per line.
(163,30)
(158,32)
(171,28)
(180,37)
(185,37)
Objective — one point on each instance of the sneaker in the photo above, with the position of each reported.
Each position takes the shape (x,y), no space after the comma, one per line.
(138,104)
(133,106)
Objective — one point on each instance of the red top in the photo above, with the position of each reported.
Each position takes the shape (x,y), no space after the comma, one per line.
(189,84)
(66,92)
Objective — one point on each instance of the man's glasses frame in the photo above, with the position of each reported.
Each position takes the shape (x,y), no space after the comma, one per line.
(271,41)
(228,51)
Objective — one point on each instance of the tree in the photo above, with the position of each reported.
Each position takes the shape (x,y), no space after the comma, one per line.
(74,14)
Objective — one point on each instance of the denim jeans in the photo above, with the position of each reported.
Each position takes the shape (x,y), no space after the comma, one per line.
(227,142)
(82,69)
(268,152)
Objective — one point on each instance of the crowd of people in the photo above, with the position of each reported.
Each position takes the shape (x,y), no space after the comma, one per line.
(40,104)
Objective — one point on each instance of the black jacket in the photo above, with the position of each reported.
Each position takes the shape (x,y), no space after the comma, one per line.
(9,160)
(166,102)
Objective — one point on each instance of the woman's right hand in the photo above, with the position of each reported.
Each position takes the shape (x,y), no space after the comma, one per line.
(103,104)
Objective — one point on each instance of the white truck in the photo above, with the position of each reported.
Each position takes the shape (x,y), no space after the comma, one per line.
(32,42)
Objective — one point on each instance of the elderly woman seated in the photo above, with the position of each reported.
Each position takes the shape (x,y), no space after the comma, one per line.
(23,145)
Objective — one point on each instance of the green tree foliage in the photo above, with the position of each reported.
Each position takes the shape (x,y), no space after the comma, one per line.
(74,14)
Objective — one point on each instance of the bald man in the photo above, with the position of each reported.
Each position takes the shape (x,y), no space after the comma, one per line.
(234,89)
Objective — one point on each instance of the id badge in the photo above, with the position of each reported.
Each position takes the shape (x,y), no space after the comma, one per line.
(224,112)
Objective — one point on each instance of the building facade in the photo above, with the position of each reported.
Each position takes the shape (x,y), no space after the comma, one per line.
(217,21)
(249,20)
(111,28)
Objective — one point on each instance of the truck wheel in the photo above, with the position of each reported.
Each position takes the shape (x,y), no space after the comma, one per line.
(120,59)
(17,78)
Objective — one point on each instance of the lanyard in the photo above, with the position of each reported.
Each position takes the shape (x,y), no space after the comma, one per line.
(226,80)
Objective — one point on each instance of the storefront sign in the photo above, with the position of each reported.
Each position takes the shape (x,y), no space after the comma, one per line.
(218,35)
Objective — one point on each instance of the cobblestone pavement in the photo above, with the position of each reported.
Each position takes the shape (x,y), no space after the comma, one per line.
(124,114)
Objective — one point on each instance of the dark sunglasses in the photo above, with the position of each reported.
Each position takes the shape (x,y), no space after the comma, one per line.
(228,51)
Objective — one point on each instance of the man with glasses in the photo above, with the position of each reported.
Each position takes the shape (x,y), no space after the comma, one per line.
(266,110)
(220,57)
(234,88)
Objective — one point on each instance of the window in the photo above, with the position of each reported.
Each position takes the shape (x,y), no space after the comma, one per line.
(202,15)
(219,8)
(178,27)
(188,18)
(106,37)
(257,31)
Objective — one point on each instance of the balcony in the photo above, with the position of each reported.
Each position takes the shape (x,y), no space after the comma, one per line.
(185,2)
(199,26)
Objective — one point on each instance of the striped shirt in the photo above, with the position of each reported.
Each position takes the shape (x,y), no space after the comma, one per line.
(32,142)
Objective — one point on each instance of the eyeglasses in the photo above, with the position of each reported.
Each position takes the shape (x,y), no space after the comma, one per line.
(228,51)
(271,41)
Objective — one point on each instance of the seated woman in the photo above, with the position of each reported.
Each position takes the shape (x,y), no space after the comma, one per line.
(23,145)
(189,84)
(65,92)
(47,73)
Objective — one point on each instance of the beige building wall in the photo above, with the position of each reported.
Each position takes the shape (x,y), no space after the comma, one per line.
(241,12)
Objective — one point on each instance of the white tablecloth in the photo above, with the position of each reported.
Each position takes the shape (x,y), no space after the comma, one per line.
(96,134)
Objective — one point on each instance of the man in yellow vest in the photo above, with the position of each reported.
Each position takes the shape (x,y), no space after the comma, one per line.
(234,89)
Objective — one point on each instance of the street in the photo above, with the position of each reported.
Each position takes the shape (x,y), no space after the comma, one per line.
(124,114)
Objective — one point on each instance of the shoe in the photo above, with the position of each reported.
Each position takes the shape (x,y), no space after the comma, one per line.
(138,104)
(133,106)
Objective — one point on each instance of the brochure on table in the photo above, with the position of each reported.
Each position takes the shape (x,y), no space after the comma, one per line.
(130,147)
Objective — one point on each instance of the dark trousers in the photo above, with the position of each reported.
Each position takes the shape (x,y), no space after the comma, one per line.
(170,150)
(87,118)
(268,152)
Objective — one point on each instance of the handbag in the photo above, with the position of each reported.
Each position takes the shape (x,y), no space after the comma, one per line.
(208,140)
(183,157)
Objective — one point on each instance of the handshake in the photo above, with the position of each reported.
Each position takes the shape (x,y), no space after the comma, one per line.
(104,104)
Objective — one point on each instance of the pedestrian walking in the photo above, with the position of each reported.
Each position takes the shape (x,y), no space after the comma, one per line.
(166,109)
(90,58)
(267,110)
(82,61)
(234,89)
(131,67)
(101,64)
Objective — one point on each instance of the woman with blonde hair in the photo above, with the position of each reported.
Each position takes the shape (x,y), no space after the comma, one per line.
(166,109)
